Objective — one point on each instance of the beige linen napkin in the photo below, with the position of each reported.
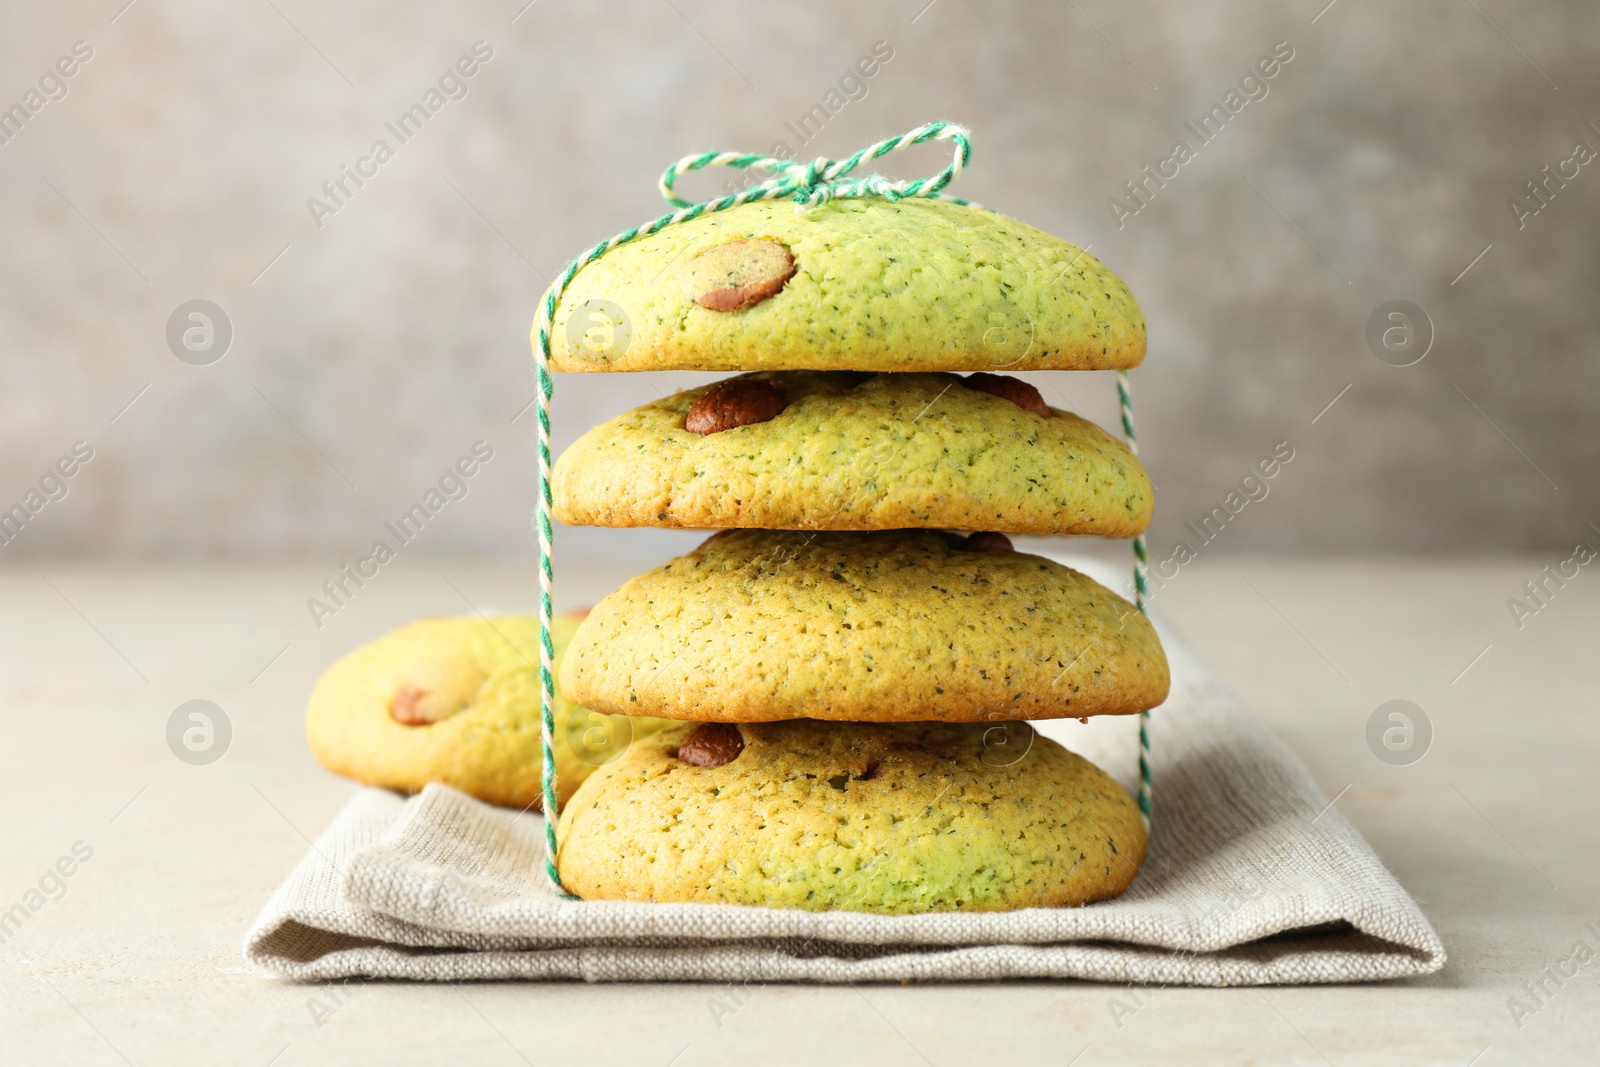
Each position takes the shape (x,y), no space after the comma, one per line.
(1253,878)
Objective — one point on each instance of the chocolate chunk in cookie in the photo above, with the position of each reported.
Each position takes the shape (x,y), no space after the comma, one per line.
(712,744)
(738,274)
(737,402)
(1006,387)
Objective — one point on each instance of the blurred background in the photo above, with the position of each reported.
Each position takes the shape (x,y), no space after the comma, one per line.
(364,338)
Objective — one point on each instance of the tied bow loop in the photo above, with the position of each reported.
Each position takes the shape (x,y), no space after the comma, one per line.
(822,179)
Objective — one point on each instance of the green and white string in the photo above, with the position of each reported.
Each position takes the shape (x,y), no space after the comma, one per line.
(1141,593)
(808,184)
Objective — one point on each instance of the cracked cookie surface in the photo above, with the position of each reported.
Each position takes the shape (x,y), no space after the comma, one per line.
(892,626)
(911,817)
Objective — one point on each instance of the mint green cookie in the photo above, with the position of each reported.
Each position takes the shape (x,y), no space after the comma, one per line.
(888,452)
(912,817)
(911,285)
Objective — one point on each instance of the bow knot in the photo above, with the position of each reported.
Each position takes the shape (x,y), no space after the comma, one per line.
(822,179)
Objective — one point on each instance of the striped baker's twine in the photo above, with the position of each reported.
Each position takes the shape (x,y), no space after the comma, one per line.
(808,184)
(1141,593)
(822,179)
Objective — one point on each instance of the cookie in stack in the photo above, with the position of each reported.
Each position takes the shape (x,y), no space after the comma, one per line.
(854,655)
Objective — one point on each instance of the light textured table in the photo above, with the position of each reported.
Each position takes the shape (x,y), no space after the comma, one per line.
(1495,830)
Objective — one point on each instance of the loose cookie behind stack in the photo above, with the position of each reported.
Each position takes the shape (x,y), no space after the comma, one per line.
(456,700)
(855,652)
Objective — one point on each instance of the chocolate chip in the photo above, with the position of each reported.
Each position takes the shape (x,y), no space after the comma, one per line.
(1006,387)
(987,542)
(405,708)
(738,274)
(711,744)
(735,402)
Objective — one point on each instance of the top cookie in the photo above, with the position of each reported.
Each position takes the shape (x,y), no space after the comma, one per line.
(872,285)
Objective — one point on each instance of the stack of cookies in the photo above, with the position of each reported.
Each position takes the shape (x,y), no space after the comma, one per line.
(853,657)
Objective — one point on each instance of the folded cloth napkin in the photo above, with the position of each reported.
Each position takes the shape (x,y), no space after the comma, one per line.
(1254,878)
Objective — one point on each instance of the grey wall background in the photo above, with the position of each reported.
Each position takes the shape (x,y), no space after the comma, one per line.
(369,353)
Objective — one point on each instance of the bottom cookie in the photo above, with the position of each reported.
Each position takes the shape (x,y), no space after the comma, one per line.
(456,700)
(882,817)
